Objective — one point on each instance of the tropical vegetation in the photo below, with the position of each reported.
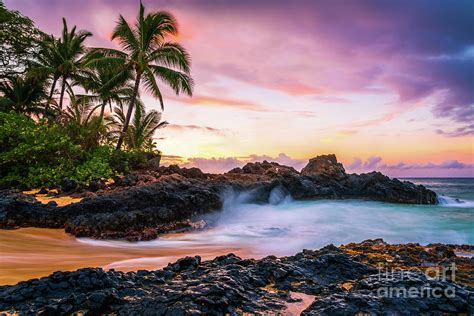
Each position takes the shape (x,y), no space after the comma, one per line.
(71,111)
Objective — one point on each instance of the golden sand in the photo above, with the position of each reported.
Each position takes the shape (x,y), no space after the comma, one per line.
(45,198)
(27,253)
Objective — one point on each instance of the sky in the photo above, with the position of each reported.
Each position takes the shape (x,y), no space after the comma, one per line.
(385,85)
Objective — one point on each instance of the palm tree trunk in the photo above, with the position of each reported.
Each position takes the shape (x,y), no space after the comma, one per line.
(102,109)
(53,85)
(61,97)
(129,112)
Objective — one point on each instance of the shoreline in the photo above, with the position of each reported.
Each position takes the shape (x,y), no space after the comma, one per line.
(29,253)
(320,279)
(36,252)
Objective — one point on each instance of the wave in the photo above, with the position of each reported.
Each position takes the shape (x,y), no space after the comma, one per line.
(447,201)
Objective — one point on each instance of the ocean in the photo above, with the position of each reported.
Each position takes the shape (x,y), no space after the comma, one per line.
(291,226)
(252,231)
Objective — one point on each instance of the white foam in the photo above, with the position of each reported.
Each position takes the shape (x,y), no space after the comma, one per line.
(453,202)
(287,227)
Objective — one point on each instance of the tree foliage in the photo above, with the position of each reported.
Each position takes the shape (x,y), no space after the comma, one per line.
(35,154)
(19,40)
(143,126)
(22,95)
(54,92)
(148,55)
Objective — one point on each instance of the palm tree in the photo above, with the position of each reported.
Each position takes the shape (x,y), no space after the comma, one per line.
(140,132)
(82,123)
(61,58)
(80,110)
(106,86)
(148,54)
(46,63)
(22,95)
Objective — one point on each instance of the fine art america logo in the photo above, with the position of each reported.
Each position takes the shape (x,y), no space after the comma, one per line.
(390,277)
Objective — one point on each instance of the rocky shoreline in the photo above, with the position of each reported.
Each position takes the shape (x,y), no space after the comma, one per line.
(339,281)
(155,200)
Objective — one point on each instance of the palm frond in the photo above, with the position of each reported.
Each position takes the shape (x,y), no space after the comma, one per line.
(180,82)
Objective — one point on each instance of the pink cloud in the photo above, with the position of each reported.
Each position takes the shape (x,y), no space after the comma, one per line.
(221,165)
(448,168)
(412,50)
(180,127)
(220,102)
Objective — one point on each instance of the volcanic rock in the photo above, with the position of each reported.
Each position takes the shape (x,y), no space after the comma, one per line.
(326,165)
(234,286)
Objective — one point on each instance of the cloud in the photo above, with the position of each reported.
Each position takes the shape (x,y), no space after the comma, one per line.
(401,169)
(171,160)
(448,168)
(282,159)
(460,131)
(372,162)
(355,165)
(195,127)
(412,50)
(213,165)
(447,164)
(221,102)
(221,165)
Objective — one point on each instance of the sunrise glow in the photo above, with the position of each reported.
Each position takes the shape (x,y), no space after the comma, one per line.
(392,82)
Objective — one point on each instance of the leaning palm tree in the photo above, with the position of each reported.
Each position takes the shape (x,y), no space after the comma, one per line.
(61,58)
(22,95)
(148,54)
(142,128)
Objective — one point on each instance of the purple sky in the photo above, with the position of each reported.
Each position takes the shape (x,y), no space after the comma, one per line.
(385,85)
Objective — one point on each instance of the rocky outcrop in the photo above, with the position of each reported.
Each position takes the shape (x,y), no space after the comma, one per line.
(137,213)
(144,204)
(324,165)
(377,252)
(264,168)
(403,293)
(230,285)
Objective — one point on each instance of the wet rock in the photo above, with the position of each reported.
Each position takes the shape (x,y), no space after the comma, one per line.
(403,293)
(433,258)
(68,185)
(43,191)
(188,263)
(231,285)
(192,173)
(96,185)
(264,168)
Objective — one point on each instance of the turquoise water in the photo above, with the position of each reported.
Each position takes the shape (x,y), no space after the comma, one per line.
(461,188)
(291,226)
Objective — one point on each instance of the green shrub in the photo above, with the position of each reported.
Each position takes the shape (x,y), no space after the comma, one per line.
(119,161)
(37,154)
(123,162)
(34,154)
(96,166)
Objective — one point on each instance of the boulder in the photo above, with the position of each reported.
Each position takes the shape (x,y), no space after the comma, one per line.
(264,168)
(193,173)
(326,165)
(68,185)
(152,164)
